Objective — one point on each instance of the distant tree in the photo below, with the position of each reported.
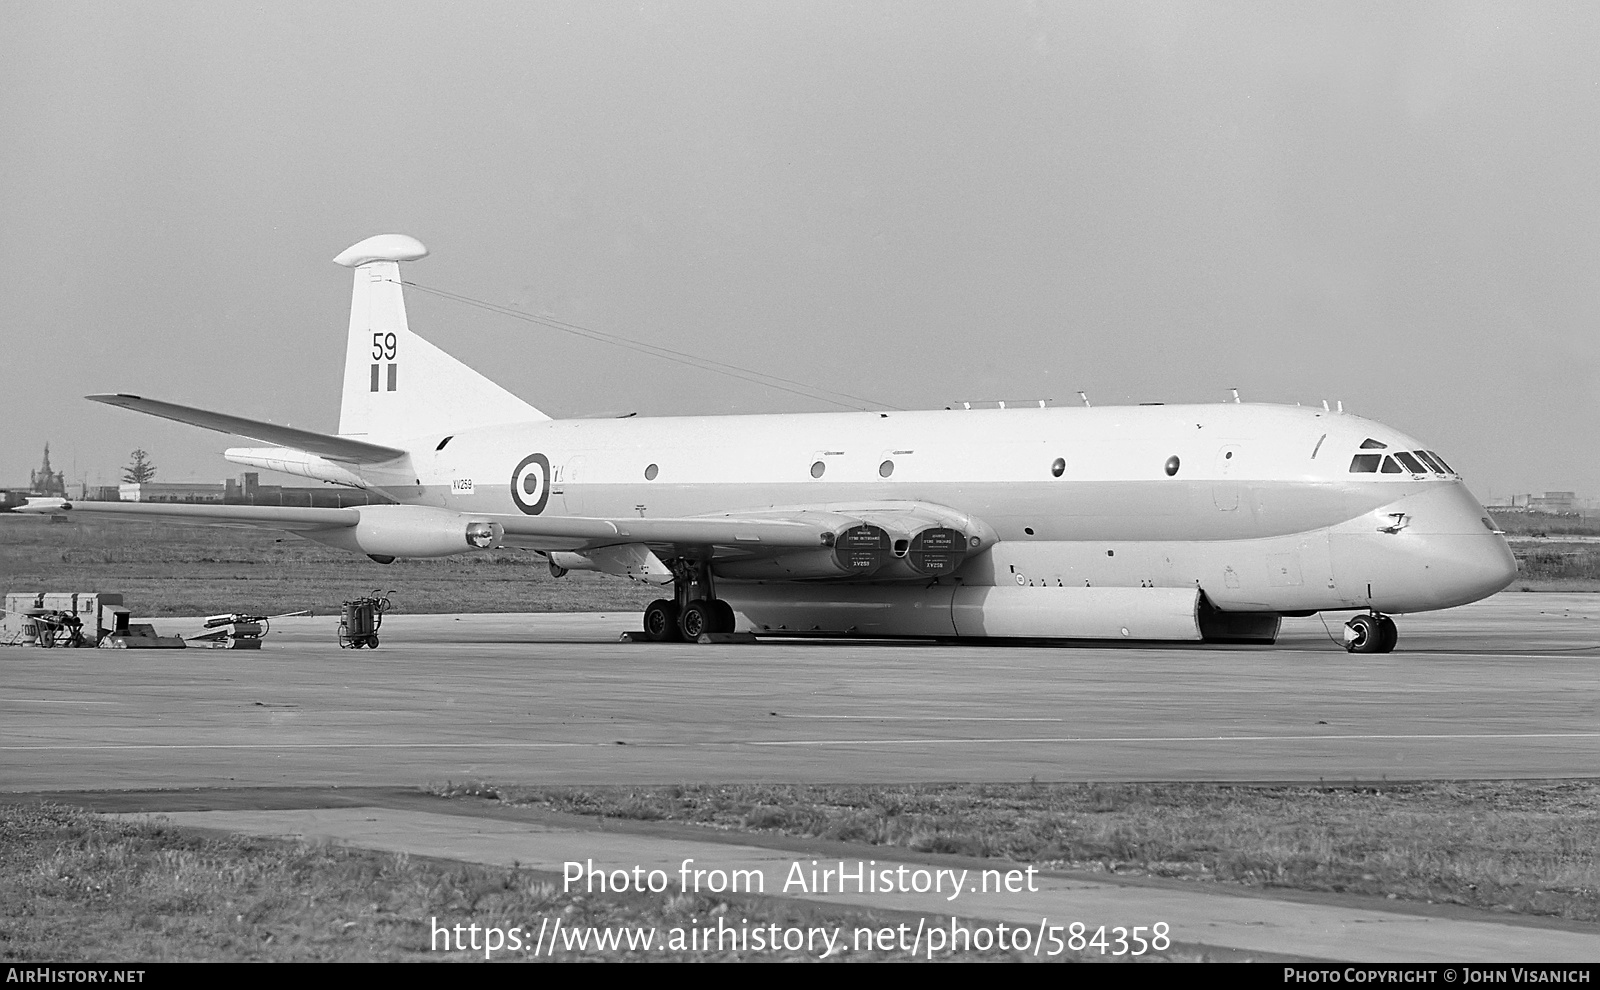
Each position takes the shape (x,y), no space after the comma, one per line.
(140,471)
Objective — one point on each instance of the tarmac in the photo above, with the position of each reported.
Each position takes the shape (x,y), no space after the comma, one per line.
(1506,688)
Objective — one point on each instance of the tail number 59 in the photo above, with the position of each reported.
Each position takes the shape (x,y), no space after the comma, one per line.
(383,346)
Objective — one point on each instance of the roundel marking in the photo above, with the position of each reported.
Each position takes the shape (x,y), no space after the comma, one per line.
(530,483)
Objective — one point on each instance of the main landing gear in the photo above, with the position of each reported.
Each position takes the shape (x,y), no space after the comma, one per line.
(1370,633)
(694,610)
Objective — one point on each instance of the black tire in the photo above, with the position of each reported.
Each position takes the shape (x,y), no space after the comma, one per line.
(372,642)
(724,613)
(1388,635)
(698,617)
(661,621)
(1366,634)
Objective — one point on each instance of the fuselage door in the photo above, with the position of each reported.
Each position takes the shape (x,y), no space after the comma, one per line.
(1225,490)
(565,489)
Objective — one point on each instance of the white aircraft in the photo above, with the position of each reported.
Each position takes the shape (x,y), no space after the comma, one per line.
(1191,522)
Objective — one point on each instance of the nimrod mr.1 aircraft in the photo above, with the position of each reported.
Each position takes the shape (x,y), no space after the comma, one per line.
(1164,522)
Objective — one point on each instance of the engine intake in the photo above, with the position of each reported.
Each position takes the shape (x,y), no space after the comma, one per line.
(860,550)
(937,551)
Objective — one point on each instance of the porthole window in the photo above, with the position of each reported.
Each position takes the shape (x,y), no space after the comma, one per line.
(1028,530)
(1172,465)
(651,472)
(885,469)
(1059,467)
(817,468)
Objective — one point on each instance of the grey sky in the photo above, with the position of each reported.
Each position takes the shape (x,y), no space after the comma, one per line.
(1396,205)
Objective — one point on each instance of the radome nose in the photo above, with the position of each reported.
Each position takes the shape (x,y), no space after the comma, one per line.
(1432,549)
(1471,567)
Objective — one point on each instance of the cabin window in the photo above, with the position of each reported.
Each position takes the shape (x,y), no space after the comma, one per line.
(445,441)
(885,469)
(1447,468)
(651,472)
(1365,463)
(1371,444)
(1390,467)
(1412,464)
(817,468)
(1059,467)
(1172,465)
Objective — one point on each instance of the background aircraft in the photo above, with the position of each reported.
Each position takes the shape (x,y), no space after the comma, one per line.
(1181,522)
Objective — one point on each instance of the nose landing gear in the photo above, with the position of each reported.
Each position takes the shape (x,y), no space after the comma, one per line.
(694,610)
(1370,633)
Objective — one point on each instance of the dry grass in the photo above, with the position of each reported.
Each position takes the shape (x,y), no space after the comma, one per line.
(1528,847)
(193,570)
(77,888)
(1517,524)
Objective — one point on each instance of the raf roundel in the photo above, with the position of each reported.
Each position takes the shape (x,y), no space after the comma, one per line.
(530,484)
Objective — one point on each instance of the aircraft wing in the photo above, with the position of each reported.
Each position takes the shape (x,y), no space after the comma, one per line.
(541,532)
(286,517)
(323,444)
(759,541)
(696,531)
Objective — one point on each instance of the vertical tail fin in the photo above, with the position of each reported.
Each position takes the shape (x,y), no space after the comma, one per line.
(397,385)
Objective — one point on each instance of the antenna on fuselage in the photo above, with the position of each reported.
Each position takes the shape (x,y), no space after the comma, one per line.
(1085,399)
(1235,395)
(1341,407)
(1325,405)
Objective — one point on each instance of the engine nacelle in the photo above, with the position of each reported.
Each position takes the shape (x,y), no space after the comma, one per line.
(856,552)
(411,531)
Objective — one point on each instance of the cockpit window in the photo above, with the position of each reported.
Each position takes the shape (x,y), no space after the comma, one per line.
(1390,467)
(1447,468)
(1365,463)
(1426,458)
(1412,464)
(1371,444)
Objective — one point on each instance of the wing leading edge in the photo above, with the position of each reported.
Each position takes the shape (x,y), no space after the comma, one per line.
(763,542)
(398,522)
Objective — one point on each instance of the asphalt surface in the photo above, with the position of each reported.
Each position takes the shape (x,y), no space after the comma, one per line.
(1505,688)
(258,742)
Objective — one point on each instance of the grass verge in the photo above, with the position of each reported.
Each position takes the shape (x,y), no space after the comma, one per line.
(192,570)
(78,888)
(1524,847)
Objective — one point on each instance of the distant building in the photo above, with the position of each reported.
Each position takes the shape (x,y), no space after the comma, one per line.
(1550,503)
(244,490)
(1556,503)
(45,482)
(163,491)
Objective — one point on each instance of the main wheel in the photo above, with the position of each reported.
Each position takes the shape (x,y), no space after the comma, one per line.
(661,621)
(725,620)
(1362,634)
(699,616)
(1388,635)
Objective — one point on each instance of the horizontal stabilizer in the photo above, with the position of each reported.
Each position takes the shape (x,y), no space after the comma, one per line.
(323,444)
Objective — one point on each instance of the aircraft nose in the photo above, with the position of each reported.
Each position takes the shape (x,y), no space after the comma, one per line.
(1471,567)
(1432,549)
(1467,559)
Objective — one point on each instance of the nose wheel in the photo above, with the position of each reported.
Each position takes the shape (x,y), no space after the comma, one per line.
(1370,633)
